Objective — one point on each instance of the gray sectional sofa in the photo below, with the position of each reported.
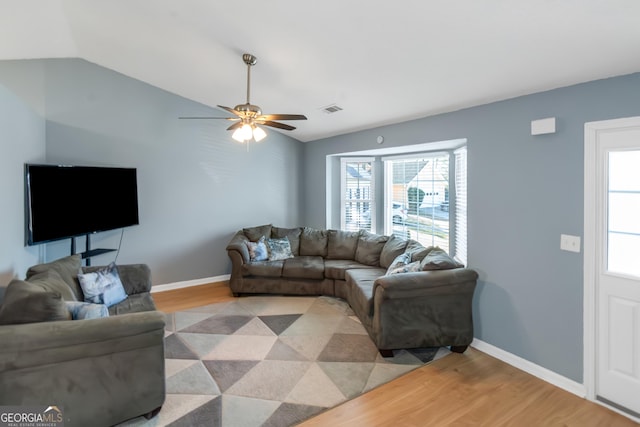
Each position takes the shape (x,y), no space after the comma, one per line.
(407,307)
(98,371)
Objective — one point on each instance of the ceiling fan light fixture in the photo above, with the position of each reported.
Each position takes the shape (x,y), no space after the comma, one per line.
(243,133)
(258,133)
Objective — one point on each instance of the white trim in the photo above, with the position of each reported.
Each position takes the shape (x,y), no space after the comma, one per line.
(423,155)
(593,176)
(536,370)
(189,283)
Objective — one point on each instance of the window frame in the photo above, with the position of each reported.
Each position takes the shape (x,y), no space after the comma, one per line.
(343,191)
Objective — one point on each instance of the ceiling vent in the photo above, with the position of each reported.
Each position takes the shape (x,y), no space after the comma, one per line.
(330,109)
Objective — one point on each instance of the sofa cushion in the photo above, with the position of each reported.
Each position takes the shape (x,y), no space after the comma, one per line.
(369,248)
(103,286)
(26,302)
(293,234)
(438,259)
(258,250)
(360,289)
(417,250)
(67,268)
(342,244)
(263,268)
(395,246)
(279,249)
(336,268)
(313,242)
(255,233)
(304,267)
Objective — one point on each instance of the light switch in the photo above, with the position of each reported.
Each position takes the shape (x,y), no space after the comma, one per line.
(569,243)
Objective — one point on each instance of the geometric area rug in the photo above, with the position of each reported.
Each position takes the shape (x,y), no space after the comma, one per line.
(270,361)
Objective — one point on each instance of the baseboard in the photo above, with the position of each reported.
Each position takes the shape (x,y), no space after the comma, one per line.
(536,370)
(189,283)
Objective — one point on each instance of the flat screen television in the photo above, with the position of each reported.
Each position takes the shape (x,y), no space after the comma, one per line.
(69,201)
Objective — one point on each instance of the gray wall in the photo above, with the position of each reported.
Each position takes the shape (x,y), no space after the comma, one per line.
(22,139)
(196,186)
(524,191)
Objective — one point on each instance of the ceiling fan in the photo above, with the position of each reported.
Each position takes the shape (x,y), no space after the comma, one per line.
(248,117)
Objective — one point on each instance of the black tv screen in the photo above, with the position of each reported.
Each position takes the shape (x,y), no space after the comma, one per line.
(68,201)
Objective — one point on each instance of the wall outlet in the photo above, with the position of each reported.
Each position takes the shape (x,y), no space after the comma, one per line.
(569,243)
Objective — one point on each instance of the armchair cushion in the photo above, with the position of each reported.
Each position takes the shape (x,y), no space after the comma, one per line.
(67,268)
(26,302)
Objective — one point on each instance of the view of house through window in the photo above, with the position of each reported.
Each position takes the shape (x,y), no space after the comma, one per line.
(357,189)
(417,190)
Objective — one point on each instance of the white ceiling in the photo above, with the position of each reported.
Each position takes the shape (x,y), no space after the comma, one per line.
(382,62)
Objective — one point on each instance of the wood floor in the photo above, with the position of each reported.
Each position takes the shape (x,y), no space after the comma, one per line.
(470,389)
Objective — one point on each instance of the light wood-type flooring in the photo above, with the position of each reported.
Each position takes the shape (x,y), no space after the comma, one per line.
(470,389)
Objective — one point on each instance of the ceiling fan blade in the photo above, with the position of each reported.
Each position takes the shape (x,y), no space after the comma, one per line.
(283,117)
(277,125)
(231,110)
(208,118)
(235,126)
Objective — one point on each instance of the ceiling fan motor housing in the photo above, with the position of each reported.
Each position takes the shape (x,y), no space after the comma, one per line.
(249,110)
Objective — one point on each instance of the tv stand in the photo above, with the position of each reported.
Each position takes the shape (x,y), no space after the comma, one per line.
(88,253)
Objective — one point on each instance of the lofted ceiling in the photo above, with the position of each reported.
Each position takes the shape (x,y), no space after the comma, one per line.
(381,62)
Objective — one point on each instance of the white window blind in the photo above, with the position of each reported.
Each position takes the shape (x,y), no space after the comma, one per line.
(357,201)
(460,241)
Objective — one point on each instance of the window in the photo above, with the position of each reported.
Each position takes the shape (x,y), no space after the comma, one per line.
(460,181)
(417,198)
(357,200)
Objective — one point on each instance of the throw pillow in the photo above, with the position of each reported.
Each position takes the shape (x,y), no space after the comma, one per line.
(400,261)
(293,234)
(102,286)
(438,259)
(418,252)
(258,250)
(279,249)
(86,310)
(408,268)
(26,302)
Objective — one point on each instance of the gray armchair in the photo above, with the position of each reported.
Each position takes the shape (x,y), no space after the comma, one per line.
(99,372)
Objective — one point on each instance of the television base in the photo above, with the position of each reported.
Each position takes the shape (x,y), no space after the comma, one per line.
(88,253)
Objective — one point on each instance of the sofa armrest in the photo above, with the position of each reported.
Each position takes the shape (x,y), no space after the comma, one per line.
(239,244)
(419,283)
(136,278)
(36,344)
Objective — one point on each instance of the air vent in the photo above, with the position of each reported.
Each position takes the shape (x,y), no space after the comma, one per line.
(330,109)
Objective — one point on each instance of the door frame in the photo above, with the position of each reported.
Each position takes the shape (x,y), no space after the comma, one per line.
(593,186)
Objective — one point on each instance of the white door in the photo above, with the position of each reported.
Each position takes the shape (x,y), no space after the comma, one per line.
(617,265)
